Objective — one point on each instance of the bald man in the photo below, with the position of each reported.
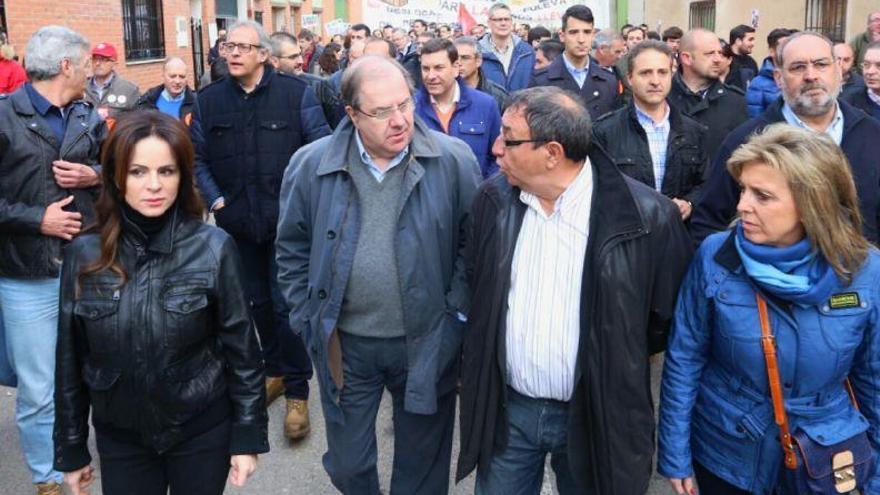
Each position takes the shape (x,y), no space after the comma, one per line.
(371,263)
(173,96)
(698,93)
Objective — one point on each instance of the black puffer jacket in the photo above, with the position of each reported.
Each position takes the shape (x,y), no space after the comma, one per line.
(165,357)
(637,253)
(620,133)
(27,185)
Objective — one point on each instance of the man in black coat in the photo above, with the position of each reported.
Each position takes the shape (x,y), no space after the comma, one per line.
(253,121)
(648,140)
(555,357)
(575,71)
(810,81)
(867,96)
(697,92)
(173,96)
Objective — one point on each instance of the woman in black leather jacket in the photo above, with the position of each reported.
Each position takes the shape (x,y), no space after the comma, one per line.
(154,333)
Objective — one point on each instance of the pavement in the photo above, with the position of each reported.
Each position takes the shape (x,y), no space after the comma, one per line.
(290,467)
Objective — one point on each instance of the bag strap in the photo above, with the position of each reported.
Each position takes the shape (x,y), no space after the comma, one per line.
(768,343)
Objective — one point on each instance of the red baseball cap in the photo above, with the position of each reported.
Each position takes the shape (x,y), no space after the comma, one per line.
(104,50)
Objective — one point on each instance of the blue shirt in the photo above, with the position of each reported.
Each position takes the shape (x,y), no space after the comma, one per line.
(170,105)
(579,75)
(834,130)
(658,137)
(54,116)
(374,169)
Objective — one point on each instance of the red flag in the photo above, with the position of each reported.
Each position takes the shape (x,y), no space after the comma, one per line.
(466,20)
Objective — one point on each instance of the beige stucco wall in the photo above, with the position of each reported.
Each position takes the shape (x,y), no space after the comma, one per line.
(773,14)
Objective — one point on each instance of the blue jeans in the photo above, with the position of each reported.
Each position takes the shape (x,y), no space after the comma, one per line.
(422,443)
(284,352)
(537,427)
(30,320)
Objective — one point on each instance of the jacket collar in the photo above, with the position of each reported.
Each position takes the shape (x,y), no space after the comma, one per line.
(268,74)
(152,95)
(614,210)
(423,99)
(557,70)
(851,115)
(727,255)
(77,117)
(421,146)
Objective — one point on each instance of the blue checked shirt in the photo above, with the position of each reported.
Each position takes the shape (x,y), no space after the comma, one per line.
(658,137)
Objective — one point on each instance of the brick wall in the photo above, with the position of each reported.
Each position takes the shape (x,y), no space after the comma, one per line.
(101,20)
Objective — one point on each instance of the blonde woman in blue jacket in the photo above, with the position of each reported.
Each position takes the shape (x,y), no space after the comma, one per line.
(798,243)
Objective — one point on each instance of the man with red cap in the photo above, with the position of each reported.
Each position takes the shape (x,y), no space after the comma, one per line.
(108,92)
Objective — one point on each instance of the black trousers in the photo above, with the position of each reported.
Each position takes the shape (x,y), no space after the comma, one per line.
(710,484)
(198,466)
(284,351)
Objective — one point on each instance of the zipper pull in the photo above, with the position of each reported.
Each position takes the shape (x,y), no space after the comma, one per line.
(116,295)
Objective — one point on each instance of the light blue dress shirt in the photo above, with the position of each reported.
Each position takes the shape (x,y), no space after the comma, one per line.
(834,130)
(579,75)
(377,172)
(658,137)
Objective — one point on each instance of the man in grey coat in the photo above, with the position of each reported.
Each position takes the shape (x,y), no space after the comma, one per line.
(370,250)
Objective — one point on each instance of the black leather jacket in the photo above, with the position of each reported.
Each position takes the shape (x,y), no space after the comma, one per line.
(168,355)
(637,253)
(620,133)
(27,186)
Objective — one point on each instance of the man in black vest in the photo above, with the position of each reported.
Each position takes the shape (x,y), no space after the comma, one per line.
(575,71)
(253,121)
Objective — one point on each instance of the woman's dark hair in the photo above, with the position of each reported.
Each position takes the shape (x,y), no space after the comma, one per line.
(116,154)
(327,61)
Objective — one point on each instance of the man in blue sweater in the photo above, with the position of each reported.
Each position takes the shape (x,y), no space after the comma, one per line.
(810,82)
(448,105)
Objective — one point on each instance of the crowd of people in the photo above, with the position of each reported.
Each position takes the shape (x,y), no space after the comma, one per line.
(506,222)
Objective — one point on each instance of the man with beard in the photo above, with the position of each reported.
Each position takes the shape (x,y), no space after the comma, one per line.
(698,93)
(810,83)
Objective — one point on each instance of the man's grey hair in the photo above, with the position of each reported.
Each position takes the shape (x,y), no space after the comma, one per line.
(401,31)
(265,41)
(49,46)
(553,114)
(496,7)
(278,38)
(467,41)
(605,37)
(353,77)
(800,34)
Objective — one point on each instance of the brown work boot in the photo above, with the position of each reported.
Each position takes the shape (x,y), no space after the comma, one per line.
(296,424)
(49,488)
(274,388)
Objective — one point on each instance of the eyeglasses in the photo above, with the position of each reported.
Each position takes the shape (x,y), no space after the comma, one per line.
(867,65)
(821,65)
(386,113)
(290,57)
(467,57)
(501,19)
(510,143)
(243,48)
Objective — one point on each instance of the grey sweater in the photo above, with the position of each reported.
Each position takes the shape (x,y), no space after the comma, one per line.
(372,305)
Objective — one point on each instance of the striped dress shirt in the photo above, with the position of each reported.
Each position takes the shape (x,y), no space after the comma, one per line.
(544,302)
(658,137)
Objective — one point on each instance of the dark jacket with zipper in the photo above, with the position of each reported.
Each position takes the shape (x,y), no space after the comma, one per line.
(624,138)
(165,357)
(721,108)
(637,252)
(27,184)
(716,206)
(599,92)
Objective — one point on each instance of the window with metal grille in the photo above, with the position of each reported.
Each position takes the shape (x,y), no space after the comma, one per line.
(827,17)
(143,29)
(702,15)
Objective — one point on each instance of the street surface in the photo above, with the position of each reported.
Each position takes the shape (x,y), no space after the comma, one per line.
(290,468)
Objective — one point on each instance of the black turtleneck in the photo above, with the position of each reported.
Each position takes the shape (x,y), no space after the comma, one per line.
(148,226)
